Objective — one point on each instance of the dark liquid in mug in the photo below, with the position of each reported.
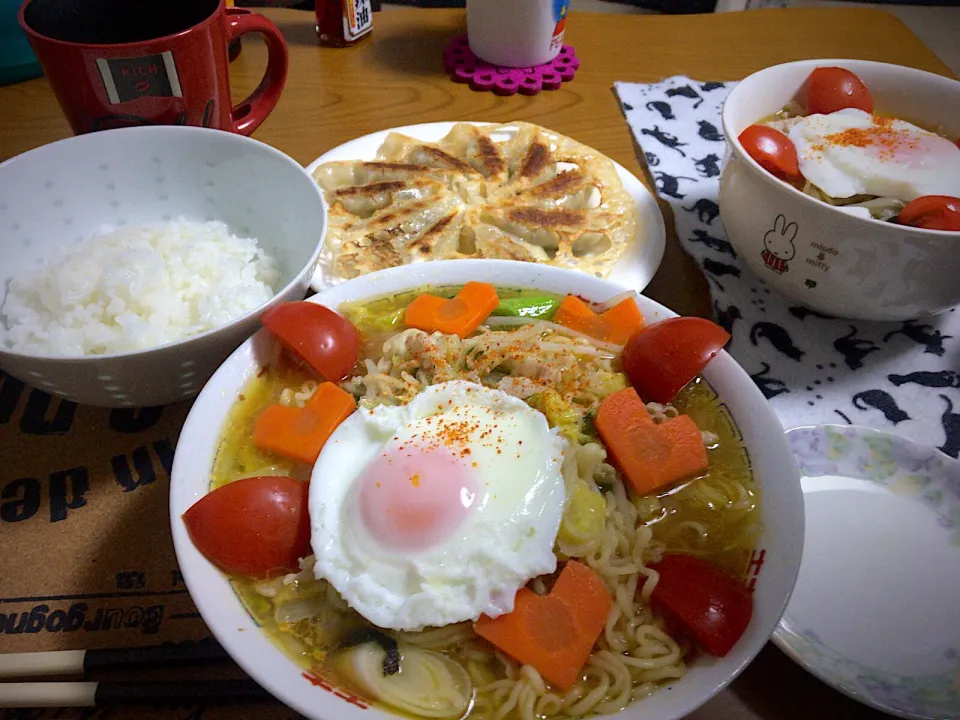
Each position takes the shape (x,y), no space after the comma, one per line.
(110,22)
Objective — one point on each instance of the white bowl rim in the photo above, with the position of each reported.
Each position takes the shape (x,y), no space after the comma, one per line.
(180,130)
(195,569)
(733,140)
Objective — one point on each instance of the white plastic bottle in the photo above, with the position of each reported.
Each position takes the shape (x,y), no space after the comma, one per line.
(516,33)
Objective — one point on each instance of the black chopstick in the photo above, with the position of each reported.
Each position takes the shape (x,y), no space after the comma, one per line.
(81,662)
(104,694)
(179,691)
(112,659)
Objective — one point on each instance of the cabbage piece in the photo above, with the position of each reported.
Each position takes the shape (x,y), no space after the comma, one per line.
(583,518)
(560,414)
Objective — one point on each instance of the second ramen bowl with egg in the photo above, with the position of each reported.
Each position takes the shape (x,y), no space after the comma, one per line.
(840,233)
(486,489)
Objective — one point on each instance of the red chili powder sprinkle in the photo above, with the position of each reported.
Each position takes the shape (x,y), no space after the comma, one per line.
(887,139)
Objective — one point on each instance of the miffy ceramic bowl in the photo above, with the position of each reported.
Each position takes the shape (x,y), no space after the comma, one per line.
(67,191)
(814,253)
(774,561)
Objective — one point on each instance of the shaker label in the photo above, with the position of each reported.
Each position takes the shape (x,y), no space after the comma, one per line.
(557,42)
(357,18)
(560,9)
(127,79)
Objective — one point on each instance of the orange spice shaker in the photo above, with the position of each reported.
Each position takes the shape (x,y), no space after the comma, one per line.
(341,23)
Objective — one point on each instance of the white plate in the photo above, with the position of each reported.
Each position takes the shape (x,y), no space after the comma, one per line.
(633,271)
(876,609)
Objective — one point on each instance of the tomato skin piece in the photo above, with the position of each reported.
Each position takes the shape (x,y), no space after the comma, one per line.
(256,527)
(932,212)
(713,607)
(662,358)
(322,338)
(832,88)
(773,151)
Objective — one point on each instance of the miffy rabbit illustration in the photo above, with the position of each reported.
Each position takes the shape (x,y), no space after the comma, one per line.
(778,245)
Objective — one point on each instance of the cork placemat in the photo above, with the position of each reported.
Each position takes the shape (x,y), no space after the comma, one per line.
(86,557)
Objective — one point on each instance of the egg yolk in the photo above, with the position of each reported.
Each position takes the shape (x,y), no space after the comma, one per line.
(414,498)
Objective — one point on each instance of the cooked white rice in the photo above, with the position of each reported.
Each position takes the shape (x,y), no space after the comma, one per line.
(136,288)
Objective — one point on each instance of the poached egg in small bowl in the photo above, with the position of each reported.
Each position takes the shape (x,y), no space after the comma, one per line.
(852,152)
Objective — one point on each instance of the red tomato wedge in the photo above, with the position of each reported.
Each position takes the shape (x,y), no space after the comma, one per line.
(932,212)
(324,340)
(773,151)
(831,88)
(256,527)
(713,607)
(662,358)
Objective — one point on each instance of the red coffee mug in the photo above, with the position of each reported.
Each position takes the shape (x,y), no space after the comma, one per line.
(116,63)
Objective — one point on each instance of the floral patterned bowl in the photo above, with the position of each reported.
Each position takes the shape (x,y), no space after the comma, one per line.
(876,609)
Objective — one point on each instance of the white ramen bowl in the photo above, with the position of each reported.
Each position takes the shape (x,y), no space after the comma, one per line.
(777,554)
(837,263)
(67,191)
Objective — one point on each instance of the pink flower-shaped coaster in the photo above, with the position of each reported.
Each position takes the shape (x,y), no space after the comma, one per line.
(465,67)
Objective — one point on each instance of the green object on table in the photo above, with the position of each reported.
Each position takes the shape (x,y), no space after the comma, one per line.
(531,307)
(17,61)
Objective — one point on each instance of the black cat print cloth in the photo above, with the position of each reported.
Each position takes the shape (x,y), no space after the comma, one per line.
(902,377)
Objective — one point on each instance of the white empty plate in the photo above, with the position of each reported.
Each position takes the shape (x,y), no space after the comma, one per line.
(876,608)
(634,270)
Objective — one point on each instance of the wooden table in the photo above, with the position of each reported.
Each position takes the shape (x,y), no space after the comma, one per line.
(396,78)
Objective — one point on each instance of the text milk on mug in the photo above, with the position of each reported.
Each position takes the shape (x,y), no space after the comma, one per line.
(516,33)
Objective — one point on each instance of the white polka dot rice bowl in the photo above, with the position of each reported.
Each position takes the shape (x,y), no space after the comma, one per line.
(61,195)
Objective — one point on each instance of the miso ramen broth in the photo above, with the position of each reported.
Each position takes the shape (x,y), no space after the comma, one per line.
(605,525)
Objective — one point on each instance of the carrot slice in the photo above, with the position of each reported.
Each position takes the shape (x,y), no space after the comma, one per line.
(576,315)
(650,456)
(615,325)
(460,315)
(554,633)
(300,433)
(573,309)
(623,320)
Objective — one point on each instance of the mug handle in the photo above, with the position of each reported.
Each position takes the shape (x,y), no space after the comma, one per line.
(250,113)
